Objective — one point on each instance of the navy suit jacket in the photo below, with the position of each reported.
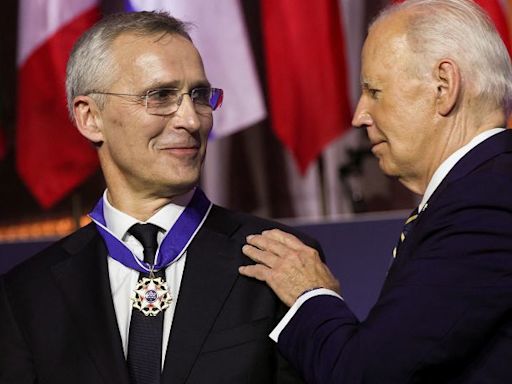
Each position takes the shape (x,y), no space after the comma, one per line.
(444,314)
(58,324)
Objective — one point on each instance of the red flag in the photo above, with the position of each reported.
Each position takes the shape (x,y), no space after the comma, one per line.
(497,14)
(508,6)
(52,157)
(306,74)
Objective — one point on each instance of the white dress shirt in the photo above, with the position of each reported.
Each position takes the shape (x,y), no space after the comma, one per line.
(123,280)
(434,182)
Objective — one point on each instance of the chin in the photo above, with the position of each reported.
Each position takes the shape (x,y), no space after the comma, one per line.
(387,169)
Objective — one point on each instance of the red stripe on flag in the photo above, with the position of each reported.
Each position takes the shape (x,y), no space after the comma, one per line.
(306,73)
(52,156)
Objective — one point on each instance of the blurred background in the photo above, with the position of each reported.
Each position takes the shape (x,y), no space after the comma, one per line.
(282,145)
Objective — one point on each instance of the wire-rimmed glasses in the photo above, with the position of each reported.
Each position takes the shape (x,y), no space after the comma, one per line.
(166,101)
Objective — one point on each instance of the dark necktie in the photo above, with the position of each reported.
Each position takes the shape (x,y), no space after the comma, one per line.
(145,338)
(406,229)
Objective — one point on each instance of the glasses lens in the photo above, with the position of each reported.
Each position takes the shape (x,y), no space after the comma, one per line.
(161,101)
(216,98)
(166,101)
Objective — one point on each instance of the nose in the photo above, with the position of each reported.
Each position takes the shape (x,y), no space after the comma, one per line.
(362,117)
(186,115)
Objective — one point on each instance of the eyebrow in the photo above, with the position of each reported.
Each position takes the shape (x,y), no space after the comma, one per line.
(365,84)
(370,83)
(176,84)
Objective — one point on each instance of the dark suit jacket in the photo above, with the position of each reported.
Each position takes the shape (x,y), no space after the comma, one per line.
(58,325)
(445,312)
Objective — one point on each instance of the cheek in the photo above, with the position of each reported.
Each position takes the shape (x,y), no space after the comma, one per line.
(124,140)
(134,129)
(127,145)
(206,121)
(206,128)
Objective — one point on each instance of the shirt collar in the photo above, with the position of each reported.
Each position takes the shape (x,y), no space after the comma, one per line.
(447,165)
(119,222)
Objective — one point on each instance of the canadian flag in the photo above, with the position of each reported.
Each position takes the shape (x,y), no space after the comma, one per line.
(52,157)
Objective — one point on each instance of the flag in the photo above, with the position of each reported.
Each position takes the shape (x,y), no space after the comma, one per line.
(508,7)
(220,35)
(307,74)
(52,157)
(497,13)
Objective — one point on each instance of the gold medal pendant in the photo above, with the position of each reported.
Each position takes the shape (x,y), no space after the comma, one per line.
(151,296)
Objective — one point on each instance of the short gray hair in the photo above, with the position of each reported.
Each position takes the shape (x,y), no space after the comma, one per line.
(462,31)
(90,60)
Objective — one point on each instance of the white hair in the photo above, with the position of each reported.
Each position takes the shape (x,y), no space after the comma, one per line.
(462,31)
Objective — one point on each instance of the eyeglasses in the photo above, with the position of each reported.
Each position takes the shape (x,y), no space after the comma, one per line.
(166,101)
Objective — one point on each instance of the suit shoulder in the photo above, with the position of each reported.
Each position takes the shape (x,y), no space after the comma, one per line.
(247,224)
(53,254)
(491,183)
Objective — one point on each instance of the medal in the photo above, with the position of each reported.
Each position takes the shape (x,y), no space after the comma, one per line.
(151,296)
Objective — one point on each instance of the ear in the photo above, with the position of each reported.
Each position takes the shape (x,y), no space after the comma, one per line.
(88,119)
(448,78)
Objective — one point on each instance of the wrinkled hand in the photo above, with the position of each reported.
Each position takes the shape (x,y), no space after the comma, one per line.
(286,264)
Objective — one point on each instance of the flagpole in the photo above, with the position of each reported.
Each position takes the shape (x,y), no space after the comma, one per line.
(323,189)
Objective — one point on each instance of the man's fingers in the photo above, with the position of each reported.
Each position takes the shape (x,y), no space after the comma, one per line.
(287,294)
(286,264)
(266,243)
(260,256)
(257,271)
(284,244)
(284,238)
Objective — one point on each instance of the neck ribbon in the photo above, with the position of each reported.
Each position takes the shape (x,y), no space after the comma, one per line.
(174,243)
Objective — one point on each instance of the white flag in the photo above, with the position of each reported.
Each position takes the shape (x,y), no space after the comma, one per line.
(220,35)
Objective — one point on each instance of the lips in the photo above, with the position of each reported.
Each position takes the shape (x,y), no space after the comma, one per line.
(183,150)
(178,146)
(375,144)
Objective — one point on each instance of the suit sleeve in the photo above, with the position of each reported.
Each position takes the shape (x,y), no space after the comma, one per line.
(16,365)
(445,302)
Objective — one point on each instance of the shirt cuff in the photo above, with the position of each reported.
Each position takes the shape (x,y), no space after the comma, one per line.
(274,335)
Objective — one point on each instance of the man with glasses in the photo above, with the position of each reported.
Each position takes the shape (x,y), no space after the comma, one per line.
(149,292)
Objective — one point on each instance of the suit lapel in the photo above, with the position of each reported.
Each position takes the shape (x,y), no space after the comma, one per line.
(84,281)
(211,270)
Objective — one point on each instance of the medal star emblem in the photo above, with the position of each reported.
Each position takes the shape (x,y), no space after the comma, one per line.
(151,296)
